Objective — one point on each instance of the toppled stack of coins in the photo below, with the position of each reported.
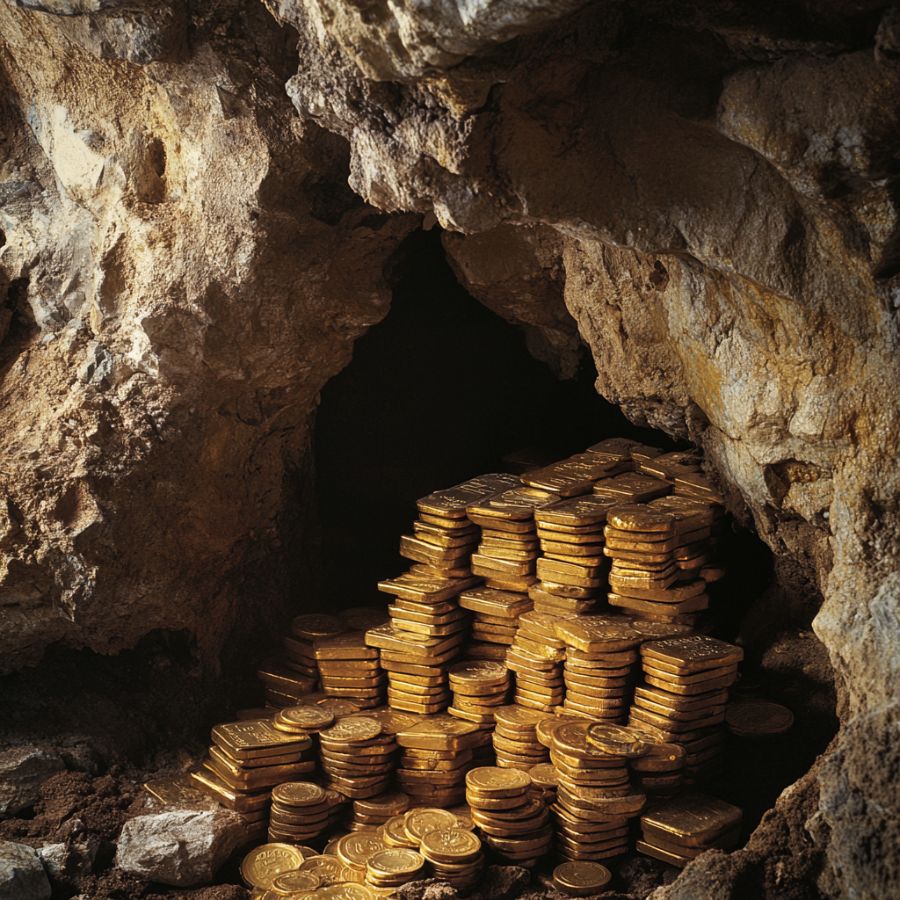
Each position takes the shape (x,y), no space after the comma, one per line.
(246,760)
(437,753)
(479,686)
(679,830)
(494,620)
(515,742)
(508,550)
(513,823)
(358,757)
(454,854)
(600,666)
(354,851)
(349,669)
(684,696)
(570,531)
(306,720)
(423,638)
(301,811)
(594,798)
(536,656)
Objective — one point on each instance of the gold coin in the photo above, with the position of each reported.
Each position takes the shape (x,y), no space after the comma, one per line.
(345,891)
(353,729)
(355,849)
(298,793)
(329,869)
(418,822)
(581,878)
(395,861)
(262,865)
(308,717)
(290,882)
(314,625)
(497,782)
(758,718)
(617,740)
(449,845)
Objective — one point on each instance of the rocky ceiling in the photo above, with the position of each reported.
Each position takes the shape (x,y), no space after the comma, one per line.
(704,193)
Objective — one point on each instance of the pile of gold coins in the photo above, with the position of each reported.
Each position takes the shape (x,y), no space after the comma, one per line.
(542,680)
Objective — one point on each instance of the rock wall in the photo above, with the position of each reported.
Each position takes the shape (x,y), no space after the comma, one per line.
(708,190)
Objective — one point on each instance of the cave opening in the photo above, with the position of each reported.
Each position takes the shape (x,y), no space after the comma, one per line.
(444,389)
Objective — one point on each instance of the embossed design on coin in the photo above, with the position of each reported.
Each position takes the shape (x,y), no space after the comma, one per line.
(262,865)
(353,729)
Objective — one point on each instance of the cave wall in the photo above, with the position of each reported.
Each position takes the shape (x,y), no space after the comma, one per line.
(708,191)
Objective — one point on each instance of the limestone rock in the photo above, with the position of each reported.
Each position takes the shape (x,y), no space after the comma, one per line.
(180,847)
(22,875)
(23,769)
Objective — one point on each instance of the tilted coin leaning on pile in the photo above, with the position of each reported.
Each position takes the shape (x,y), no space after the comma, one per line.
(543,690)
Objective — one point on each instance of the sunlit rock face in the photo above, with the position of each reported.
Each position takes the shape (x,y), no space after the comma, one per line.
(705,194)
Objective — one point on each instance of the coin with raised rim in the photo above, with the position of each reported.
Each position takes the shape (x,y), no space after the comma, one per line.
(263,864)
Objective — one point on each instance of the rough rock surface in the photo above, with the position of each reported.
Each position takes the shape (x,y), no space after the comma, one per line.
(22,875)
(181,847)
(23,770)
(707,190)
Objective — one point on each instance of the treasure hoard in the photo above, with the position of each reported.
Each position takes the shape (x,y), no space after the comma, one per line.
(544,688)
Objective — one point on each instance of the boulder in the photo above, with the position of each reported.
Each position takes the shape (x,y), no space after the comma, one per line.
(180,847)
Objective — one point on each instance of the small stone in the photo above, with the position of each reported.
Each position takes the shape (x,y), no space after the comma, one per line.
(500,882)
(22,772)
(22,875)
(179,847)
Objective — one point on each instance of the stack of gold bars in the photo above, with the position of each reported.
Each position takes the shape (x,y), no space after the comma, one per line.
(509,658)
(495,616)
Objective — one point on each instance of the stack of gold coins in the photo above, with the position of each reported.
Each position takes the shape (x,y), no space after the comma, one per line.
(371,812)
(301,811)
(455,856)
(303,720)
(512,822)
(579,878)
(570,531)
(494,620)
(437,753)
(594,798)
(660,772)
(684,696)
(515,743)
(298,646)
(358,758)
(444,537)
(509,546)
(393,867)
(644,579)
(350,669)
(601,664)
(479,686)
(424,636)
(698,522)
(679,830)
(544,781)
(537,656)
